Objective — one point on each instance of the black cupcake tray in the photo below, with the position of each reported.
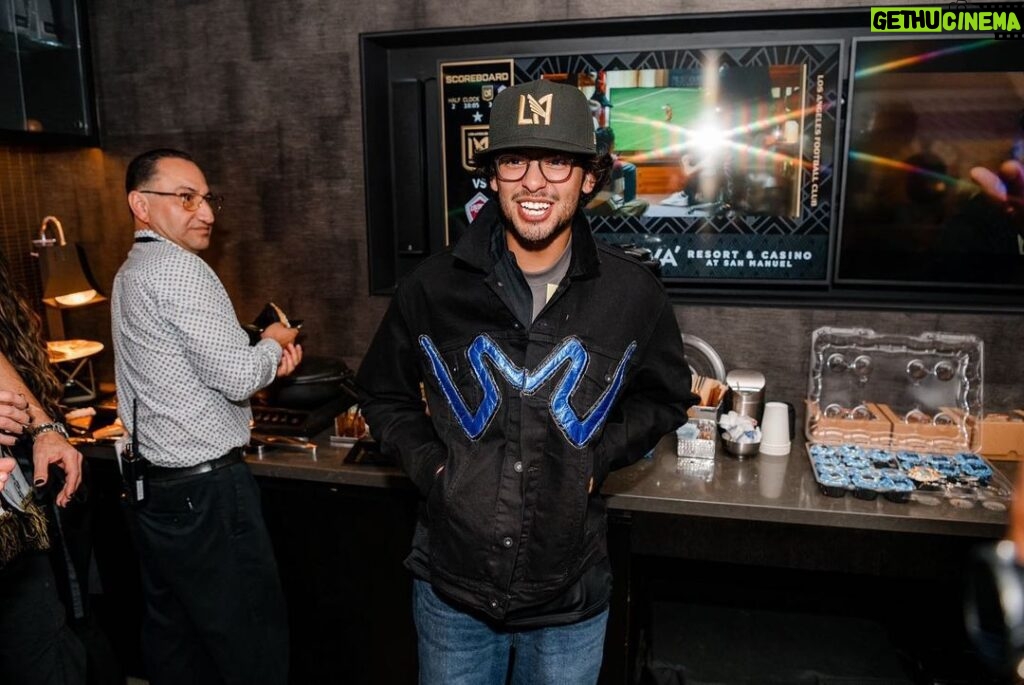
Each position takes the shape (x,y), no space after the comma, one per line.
(965,478)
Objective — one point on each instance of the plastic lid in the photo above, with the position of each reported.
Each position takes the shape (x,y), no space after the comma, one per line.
(920,393)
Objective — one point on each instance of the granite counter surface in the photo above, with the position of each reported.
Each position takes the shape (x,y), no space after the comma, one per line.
(761,488)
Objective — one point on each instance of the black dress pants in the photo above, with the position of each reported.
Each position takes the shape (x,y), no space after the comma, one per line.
(214,609)
(36,645)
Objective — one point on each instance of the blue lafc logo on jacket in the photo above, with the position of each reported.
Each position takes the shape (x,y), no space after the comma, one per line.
(577,430)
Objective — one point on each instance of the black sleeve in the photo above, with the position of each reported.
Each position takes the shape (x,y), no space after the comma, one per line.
(653,404)
(390,399)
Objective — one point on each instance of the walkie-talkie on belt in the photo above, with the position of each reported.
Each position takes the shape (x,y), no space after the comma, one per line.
(133,466)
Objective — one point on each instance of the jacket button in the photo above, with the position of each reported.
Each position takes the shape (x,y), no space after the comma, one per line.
(518,467)
(494,604)
(507,542)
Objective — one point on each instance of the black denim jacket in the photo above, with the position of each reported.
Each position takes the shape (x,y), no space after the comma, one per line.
(522,416)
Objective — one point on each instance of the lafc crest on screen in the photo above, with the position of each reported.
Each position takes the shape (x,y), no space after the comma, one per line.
(567,363)
(474,140)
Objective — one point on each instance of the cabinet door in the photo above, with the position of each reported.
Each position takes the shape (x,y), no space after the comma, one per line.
(42,76)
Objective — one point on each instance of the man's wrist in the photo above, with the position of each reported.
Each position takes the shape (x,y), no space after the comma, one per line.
(50,427)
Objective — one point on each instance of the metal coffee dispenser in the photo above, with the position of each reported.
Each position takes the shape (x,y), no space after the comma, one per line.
(746,392)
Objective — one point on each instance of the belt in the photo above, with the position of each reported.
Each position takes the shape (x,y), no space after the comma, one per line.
(170,473)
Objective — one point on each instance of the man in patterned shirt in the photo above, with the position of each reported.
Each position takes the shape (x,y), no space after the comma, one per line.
(214,610)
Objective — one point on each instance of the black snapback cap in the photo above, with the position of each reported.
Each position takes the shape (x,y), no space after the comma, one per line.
(541,114)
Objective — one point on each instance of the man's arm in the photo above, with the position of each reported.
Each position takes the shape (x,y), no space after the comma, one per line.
(654,403)
(390,399)
(215,343)
(50,447)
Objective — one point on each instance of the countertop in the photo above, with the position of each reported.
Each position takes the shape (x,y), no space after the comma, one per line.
(761,488)
(783,489)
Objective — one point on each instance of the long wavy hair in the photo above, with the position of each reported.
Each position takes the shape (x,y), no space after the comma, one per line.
(22,344)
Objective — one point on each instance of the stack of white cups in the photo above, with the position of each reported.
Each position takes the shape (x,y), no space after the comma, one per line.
(775,436)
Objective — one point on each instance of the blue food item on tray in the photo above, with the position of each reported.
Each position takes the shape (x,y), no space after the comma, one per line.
(858,462)
(818,450)
(974,468)
(900,486)
(937,460)
(881,458)
(850,451)
(867,483)
(828,460)
(924,475)
(834,480)
(908,459)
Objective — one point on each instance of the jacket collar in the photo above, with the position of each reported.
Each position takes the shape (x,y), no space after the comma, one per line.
(484,242)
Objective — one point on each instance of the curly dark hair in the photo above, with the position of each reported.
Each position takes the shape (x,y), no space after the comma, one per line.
(599,166)
(21,342)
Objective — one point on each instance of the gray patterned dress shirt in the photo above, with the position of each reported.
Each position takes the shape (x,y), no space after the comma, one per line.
(180,351)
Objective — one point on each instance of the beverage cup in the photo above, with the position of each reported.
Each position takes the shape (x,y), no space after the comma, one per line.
(775,438)
(771,474)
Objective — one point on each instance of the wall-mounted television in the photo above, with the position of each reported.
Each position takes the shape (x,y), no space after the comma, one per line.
(723,156)
(921,115)
(733,136)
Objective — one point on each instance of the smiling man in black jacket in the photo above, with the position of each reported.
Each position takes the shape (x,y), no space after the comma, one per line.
(546,360)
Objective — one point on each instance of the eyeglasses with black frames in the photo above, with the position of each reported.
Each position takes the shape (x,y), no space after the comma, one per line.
(554,168)
(192,201)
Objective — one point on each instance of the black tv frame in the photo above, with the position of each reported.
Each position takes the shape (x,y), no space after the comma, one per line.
(952,59)
(401,134)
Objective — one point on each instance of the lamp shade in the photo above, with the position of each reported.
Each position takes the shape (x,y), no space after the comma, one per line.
(60,265)
(64,281)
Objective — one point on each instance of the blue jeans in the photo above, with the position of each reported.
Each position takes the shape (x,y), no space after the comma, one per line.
(457,649)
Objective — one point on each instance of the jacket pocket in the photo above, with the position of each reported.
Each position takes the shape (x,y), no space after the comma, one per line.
(457,541)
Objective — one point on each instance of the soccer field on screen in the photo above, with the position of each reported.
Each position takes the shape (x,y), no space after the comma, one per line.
(638,116)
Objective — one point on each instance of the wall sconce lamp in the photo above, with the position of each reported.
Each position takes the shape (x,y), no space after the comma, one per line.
(64,282)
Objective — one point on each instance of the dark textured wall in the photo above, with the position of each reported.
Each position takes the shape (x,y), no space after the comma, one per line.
(266,95)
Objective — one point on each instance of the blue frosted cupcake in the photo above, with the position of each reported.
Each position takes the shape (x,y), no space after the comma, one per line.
(908,459)
(974,469)
(868,483)
(856,462)
(881,459)
(818,450)
(849,451)
(900,488)
(834,480)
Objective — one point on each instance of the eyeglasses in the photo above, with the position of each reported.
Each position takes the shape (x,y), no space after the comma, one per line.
(514,167)
(192,201)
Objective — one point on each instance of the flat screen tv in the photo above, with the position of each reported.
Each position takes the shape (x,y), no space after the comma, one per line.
(724,163)
(921,115)
(777,157)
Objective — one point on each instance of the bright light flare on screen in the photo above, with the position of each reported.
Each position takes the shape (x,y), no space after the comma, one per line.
(710,139)
(919,59)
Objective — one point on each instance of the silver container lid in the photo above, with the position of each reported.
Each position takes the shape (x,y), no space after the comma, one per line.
(744,380)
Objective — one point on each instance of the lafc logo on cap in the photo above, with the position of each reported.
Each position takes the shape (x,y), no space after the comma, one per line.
(540,110)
